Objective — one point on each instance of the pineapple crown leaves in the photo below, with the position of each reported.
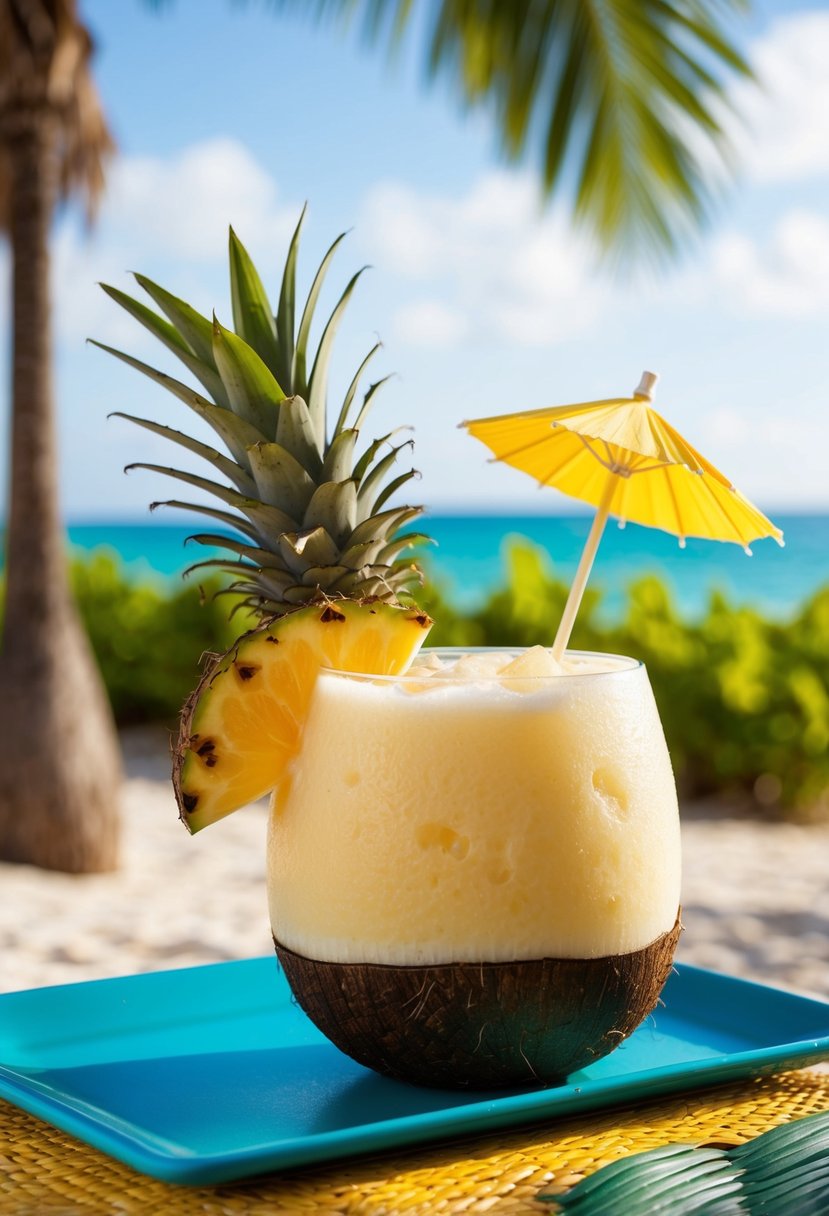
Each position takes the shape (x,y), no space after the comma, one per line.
(311,513)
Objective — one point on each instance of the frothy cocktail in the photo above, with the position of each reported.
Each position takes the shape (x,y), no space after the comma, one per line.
(477,812)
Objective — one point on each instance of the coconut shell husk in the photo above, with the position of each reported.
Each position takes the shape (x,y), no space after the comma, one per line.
(481,1025)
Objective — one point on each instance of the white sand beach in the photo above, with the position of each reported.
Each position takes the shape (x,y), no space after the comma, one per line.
(755,895)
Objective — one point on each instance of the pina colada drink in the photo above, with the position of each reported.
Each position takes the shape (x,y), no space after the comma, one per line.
(473,870)
(493,815)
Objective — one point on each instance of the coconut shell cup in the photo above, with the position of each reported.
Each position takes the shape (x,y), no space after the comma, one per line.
(481,1025)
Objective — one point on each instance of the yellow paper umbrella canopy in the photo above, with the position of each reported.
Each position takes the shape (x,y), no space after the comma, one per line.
(625,459)
(624,449)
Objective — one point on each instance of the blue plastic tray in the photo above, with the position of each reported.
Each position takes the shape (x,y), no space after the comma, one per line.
(211,1073)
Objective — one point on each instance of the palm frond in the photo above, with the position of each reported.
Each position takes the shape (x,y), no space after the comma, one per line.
(619,102)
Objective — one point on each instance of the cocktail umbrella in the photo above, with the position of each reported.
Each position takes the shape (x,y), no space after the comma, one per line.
(625,459)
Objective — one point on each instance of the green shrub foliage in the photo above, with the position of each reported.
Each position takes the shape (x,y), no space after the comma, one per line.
(744,700)
(149,638)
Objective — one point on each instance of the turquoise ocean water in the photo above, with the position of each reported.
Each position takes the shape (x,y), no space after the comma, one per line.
(468,558)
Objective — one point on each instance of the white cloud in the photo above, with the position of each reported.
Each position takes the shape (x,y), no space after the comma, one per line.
(725,428)
(172,210)
(501,267)
(80,263)
(787,117)
(182,204)
(401,230)
(760,452)
(430,323)
(787,276)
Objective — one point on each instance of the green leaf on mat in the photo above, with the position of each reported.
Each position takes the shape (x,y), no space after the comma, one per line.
(785,1170)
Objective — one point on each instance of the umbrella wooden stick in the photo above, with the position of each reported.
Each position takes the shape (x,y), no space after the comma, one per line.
(583,572)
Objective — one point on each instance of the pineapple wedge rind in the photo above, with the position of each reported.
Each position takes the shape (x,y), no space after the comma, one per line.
(242,725)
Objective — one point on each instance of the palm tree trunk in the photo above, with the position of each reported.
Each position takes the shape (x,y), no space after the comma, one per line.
(59,760)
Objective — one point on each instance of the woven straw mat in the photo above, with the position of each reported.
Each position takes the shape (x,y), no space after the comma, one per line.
(44,1172)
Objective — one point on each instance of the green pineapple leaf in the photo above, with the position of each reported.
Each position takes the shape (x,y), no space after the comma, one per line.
(280,479)
(232,471)
(234,432)
(391,551)
(205,373)
(365,582)
(384,525)
(226,566)
(276,587)
(324,577)
(342,419)
(375,478)
(304,517)
(193,327)
(339,459)
(299,369)
(268,520)
(158,326)
(253,319)
(392,488)
(334,507)
(252,390)
(295,432)
(286,312)
(218,540)
(310,587)
(312,545)
(224,517)
(363,464)
(368,399)
(262,515)
(318,383)
(224,493)
(380,553)
(355,557)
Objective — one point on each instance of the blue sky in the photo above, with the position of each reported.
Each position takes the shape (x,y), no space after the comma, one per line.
(485,299)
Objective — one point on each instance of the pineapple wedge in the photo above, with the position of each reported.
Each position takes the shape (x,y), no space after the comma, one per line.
(243,724)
